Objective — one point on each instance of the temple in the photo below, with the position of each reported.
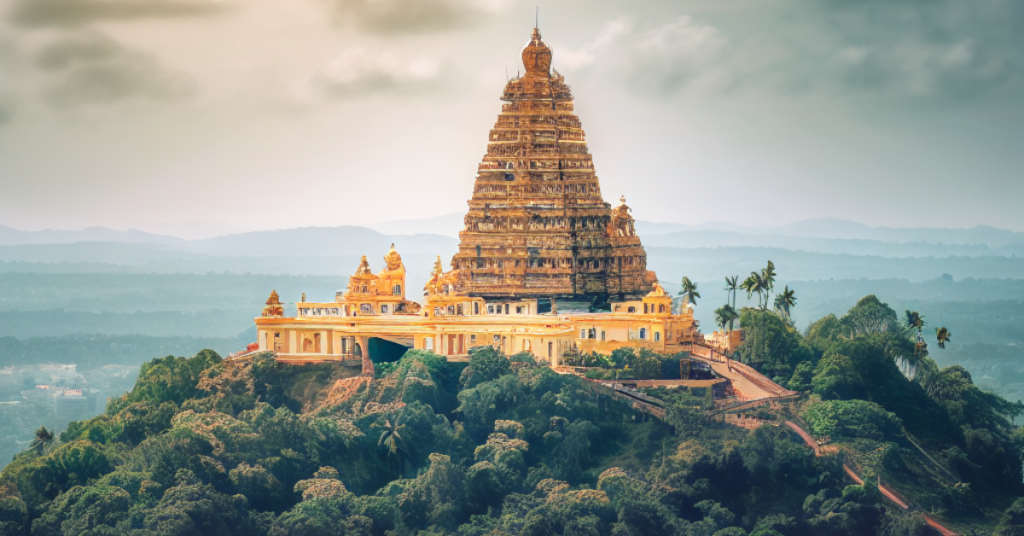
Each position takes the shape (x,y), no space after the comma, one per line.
(537,225)
(544,265)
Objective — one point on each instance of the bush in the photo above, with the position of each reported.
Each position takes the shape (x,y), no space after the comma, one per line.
(851,418)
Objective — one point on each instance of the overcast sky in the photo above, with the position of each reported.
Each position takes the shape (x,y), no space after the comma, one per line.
(196,117)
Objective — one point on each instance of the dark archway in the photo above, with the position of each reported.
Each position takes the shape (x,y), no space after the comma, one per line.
(385,351)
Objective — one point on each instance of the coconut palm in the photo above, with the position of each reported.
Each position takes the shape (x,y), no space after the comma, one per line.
(785,301)
(942,334)
(42,440)
(754,284)
(689,290)
(731,285)
(391,436)
(768,277)
(725,314)
(722,317)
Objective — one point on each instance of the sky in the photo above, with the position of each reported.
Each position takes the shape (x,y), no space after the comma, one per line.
(201,117)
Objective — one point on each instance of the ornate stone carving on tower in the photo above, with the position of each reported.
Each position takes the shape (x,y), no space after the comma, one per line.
(537,225)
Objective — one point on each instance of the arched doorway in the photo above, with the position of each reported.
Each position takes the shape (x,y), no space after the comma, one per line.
(385,351)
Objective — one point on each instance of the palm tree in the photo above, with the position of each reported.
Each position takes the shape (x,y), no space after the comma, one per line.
(731,285)
(942,334)
(722,316)
(768,278)
(785,301)
(753,284)
(43,439)
(725,315)
(689,290)
(390,437)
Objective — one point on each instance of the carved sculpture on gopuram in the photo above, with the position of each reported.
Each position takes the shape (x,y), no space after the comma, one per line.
(537,225)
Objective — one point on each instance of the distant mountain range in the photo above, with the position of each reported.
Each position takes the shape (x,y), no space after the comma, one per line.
(97,244)
(449,225)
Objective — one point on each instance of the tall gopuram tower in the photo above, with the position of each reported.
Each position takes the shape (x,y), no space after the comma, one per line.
(537,226)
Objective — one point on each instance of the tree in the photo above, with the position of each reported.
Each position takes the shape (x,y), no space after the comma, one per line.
(785,301)
(689,291)
(391,437)
(731,285)
(42,440)
(942,335)
(725,316)
(485,365)
(754,284)
(768,277)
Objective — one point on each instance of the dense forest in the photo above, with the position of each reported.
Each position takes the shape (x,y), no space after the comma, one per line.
(502,445)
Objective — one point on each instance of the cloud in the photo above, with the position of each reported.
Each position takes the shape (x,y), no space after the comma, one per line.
(919,49)
(89,68)
(661,58)
(7,108)
(76,12)
(412,16)
(915,68)
(356,73)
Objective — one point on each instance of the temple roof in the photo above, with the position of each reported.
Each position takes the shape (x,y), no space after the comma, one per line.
(364,267)
(393,261)
(537,56)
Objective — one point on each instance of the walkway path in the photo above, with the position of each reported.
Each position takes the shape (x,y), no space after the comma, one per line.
(751,383)
(888,492)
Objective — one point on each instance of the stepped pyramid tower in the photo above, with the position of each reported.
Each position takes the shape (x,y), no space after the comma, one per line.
(537,225)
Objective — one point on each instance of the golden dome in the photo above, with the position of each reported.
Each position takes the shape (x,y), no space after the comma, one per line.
(393,261)
(364,267)
(274,299)
(537,56)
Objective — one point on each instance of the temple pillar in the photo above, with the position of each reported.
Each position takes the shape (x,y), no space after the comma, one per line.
(365,351)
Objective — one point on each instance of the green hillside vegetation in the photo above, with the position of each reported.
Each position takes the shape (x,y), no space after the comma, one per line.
(202,446)
(948,445)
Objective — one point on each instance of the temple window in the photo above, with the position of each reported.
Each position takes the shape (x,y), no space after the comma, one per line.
(506,308)
(583,333)
(472,339)
(657,336)
(490,309)
(476,309)
(397,290)
(451,309)
(437,311)
(519,309)
(458,309)
(366,308)
(618,308)
(602,335)
(428,344)
(661,307)
(497,339)
(383,309)
(643,333)
(631,310)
